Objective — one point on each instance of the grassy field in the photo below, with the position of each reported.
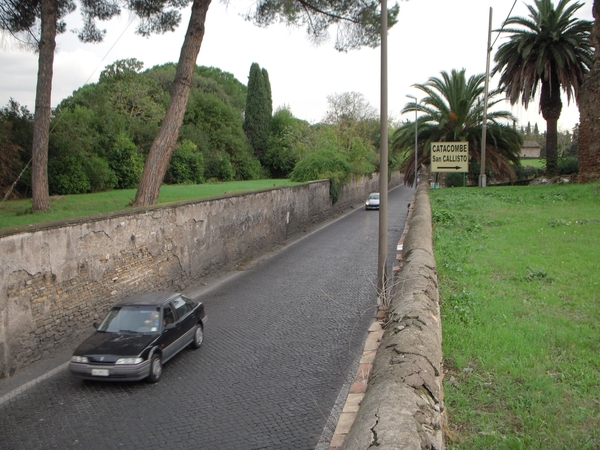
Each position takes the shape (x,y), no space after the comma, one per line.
(540,163)
(519,272)
(19,212)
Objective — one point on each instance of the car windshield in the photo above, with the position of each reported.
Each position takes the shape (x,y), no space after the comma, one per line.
(374,196)
(131,319)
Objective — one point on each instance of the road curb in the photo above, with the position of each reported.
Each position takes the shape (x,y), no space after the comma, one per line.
(358,386)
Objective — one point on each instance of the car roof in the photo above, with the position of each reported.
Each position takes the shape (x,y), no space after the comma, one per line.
(148,299)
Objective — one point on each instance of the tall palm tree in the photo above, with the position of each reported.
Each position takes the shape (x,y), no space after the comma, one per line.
(452,111)
(552,48)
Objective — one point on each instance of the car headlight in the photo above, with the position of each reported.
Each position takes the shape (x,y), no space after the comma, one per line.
(129,360)
(80,359)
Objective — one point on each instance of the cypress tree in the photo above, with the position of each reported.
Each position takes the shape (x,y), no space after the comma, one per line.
(265,75)
(257,120)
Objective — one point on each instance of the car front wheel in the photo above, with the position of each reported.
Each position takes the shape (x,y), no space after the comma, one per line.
(155,369)
(198,336)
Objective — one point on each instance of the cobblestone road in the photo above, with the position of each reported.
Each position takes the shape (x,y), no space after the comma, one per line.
(282,339)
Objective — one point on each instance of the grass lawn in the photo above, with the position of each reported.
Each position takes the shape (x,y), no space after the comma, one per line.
(539,163)
(19,212)
(519,277)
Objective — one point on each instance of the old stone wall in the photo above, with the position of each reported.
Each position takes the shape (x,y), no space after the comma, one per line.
(402,407)
(57,278)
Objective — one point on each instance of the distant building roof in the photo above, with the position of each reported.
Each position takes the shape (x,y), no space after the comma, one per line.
(531,149)
(530,144)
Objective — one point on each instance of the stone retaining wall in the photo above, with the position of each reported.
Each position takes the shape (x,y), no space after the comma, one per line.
(57,278)
(403,407)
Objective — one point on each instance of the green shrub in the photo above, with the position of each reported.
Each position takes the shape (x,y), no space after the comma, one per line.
(362,158)
(126,162)
(186,165)
(218,167)
(99,173)
(568,165)
(68,176)
(336,181)
(324,163)
(283,149)
(319,163)
(455,180)
(529,172)
(247,168)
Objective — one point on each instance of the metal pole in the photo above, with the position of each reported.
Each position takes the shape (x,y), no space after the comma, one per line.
(416,141)
(482,179)
(383,165)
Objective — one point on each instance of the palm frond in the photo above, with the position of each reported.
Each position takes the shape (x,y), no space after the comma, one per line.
(549,46)
(451,111)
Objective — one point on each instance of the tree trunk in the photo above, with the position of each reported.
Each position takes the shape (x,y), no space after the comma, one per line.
(588,146)
(43,102)
(551,107)
(162,148)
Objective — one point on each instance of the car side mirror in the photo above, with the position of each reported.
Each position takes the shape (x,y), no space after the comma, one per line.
(169,326)
(96,325)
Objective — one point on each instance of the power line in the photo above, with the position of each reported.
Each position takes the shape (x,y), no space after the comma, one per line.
(113,46)
(504,23)
(94,71)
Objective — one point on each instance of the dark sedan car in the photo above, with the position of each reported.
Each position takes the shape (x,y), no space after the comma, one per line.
(138,335)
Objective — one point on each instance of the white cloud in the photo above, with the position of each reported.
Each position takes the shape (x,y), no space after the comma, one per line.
(430,36)
(19,72)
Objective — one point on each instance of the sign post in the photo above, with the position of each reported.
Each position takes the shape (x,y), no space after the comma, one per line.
(449,157)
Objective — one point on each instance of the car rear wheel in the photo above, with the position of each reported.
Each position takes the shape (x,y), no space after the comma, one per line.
(155,369)
(198,336)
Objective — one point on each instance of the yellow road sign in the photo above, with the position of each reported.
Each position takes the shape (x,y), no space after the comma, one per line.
(449,157)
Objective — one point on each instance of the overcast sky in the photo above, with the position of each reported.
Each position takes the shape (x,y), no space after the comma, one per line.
(431,36)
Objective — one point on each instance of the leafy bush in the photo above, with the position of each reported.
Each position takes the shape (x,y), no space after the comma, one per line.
(79,173)
(568,165)
(126,162)
(68,176)
(186,165)
(455,180)
(245,167)
(528,172)
(16,131)
(324,163)
(281,157)
(99,173)
(218,167)
(216,128)
(285,142)
(336,181)
(362,158)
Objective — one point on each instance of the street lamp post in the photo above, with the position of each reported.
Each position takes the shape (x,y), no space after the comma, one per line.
(482,176)
(383,166)
(416,140)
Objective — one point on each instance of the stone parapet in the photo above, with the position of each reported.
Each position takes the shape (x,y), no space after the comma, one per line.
(403,406)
